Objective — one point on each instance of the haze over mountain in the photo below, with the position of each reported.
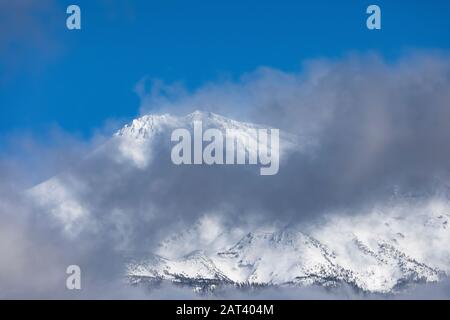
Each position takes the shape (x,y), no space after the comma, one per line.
(360,199)
(384,249)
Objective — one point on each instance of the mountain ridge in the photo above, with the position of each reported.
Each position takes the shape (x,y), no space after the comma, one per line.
(295,258)
(381,250)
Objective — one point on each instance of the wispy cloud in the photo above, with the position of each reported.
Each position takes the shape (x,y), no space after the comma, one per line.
(380,127)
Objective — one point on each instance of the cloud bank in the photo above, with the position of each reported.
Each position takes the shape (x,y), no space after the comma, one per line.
(378,129)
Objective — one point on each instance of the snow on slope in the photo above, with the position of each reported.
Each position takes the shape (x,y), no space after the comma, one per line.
(381,252)
(134,146)
(136,136)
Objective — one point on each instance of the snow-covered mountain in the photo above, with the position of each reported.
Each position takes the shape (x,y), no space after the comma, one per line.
(114,192)
(139,149)
(377,252)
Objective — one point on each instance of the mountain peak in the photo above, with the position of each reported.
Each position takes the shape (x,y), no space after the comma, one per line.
(200,114)
(210,117)
(146,126)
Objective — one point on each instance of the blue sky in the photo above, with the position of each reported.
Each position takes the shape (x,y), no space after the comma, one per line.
(77,80)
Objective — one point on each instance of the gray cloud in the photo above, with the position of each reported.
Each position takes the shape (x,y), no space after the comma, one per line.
(380,127)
